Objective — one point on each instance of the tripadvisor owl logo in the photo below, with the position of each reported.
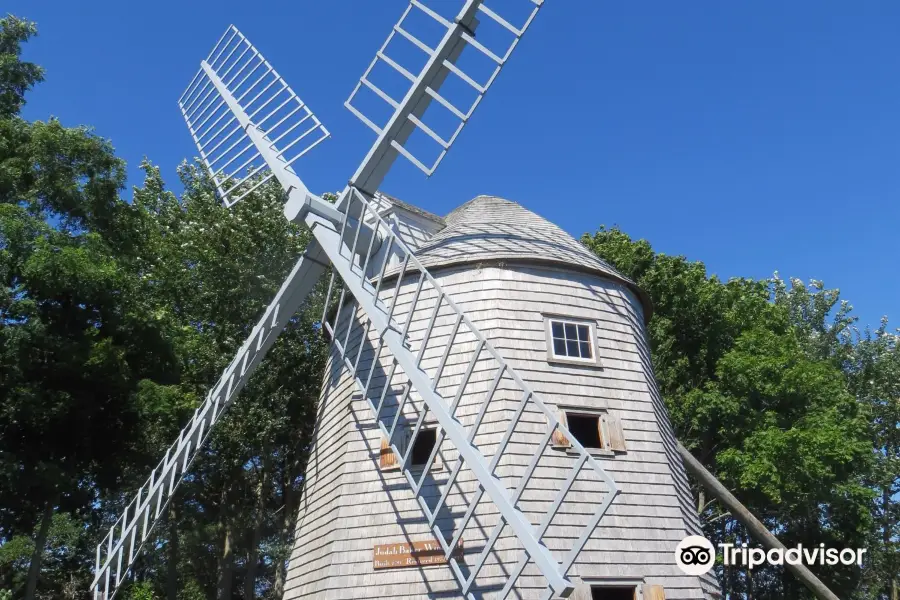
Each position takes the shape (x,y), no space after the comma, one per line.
(695,555)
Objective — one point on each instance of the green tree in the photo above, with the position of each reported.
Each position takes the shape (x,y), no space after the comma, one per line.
(115,319)
(751,374)
(208,273)
(874,369)
(870,362)
(16,75)
(73,342)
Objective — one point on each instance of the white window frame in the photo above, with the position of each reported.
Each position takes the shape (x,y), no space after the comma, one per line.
(552,357)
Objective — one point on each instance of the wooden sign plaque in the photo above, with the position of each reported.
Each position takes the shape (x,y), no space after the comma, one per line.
(404,555)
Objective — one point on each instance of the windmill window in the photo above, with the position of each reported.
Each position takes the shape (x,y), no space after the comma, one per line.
(619,589)
(613,593)
(599,432)
(571,340)
(421,452)
(586,429)
(424,444)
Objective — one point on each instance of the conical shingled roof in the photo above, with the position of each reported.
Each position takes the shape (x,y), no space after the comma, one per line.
(488,228)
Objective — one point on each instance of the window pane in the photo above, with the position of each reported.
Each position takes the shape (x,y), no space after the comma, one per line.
(559,347)
(571,339)
(585,349)
(584,333)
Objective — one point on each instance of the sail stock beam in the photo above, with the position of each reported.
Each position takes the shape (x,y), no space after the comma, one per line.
(381,155)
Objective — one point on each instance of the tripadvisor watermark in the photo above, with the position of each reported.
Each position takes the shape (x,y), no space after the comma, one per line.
(696,555)
(817,555)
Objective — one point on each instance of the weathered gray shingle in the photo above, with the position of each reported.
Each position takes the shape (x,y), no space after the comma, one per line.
(506,267)
(488,229)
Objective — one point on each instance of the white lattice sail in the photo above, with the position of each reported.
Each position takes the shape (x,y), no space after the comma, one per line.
(410,100)
(289,127)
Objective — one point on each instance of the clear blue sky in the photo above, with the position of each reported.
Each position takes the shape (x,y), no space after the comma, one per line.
(754,136)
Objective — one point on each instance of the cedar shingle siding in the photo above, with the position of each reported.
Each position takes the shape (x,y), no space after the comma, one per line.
(506,268)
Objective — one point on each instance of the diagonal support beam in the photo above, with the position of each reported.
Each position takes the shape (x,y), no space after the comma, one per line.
(756,528)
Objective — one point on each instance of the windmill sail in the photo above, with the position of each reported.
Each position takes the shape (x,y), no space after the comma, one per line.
(238,153)
(125,539)
(236,162)
(366,255)
(441,64)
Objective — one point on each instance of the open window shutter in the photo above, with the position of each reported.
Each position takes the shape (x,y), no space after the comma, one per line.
(603,430)
(654,592)
(388,458)
(558,439)
(614,436)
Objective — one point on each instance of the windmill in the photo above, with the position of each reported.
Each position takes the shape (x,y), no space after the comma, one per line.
(519,496)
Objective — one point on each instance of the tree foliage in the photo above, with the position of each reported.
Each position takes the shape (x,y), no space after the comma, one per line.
(776,392)
(73,341)
(16,75)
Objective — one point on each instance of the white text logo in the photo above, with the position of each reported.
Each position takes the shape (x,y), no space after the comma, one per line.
(753,557)
(696,555)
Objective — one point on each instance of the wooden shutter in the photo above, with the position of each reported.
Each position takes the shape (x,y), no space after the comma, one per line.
(614,436)
(654,592)
(603,430)
(559,440)
(387,459)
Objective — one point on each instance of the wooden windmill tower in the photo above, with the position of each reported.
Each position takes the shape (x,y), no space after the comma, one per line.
(488,425)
